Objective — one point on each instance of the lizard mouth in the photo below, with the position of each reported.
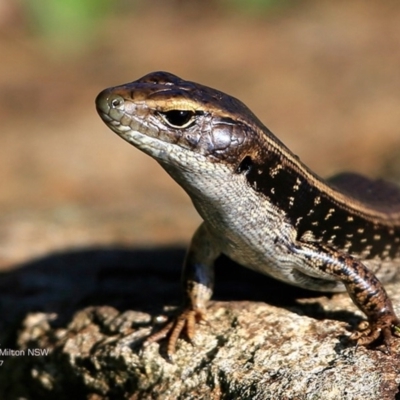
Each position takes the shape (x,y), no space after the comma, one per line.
(142,126)
(119,116)
(124,118)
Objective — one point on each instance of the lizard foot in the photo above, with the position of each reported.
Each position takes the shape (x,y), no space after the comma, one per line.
(184,322)
(383,329)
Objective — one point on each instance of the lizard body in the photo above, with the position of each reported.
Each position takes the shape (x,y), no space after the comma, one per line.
(261,206)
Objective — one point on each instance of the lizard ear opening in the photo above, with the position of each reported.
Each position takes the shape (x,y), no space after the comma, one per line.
(245,165)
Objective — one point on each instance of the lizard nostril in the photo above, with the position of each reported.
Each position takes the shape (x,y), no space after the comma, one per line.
(116,102)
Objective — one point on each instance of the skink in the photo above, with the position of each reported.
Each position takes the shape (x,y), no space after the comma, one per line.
(260,205)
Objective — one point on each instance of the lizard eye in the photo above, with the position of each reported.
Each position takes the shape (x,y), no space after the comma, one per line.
(178,118)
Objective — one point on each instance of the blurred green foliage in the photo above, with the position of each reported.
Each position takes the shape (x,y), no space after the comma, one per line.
(256,5)
(67,24)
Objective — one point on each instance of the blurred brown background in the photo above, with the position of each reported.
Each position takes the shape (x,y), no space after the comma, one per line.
(323,76)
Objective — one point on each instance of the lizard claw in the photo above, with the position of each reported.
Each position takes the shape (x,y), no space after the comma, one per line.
(185,321)
(383,329)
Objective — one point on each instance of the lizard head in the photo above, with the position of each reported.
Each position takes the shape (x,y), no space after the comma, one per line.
(174,120)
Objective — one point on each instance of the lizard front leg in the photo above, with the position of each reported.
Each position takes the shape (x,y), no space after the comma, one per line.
(364,288)
(198,282)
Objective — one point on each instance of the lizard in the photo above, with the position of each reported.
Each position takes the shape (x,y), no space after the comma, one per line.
(260,205)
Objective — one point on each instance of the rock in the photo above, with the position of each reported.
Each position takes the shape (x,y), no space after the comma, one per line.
(291,345)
